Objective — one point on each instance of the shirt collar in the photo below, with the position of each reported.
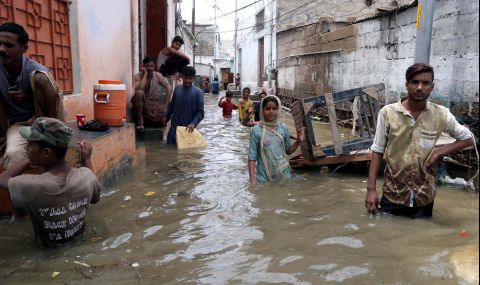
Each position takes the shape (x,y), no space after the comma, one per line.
(399,107)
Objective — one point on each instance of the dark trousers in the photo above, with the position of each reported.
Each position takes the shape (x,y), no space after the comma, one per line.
(173,64)
(400,210)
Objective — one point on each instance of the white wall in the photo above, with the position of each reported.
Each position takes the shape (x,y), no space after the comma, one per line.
(454,54)
(102,40)
(170,21)
(204,70)
(247,41)
(379,50)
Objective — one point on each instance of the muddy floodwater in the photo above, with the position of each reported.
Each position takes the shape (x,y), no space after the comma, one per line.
(205,225)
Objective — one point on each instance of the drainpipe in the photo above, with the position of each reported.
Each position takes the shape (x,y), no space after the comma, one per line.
(424,25)
(270,56)
(193,33)
(235,41)
(215,42)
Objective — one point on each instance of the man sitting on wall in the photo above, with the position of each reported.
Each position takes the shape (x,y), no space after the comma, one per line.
(149,101)
(57,200)
(27,91)
(171,60)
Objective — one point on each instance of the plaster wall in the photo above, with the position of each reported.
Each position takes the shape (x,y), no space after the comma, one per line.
(379,51)
(171,8)
(102,49)
(247,41)
(204,70)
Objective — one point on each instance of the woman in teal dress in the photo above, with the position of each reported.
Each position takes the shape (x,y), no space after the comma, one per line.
(270,144)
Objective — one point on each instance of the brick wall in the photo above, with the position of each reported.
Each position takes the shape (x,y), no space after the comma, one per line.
(304,56)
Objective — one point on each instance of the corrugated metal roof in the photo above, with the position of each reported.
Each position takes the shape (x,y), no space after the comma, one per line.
(380,11)
(385,11)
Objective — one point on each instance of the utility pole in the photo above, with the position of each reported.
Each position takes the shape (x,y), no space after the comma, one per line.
(424,30)
(215,42)
(270,56)
(193,32)
(235,39)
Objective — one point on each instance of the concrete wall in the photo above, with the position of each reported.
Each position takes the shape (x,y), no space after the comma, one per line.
(247,41)
(204,34)
(171,7)
(185,32)
(204,70)
(102,49)
(379,50)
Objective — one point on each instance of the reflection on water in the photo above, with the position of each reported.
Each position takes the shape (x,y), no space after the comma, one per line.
(205,225)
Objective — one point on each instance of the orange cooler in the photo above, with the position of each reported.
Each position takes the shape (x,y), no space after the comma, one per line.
(110,102)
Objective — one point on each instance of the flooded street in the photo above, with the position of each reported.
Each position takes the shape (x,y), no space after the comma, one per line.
(205,225)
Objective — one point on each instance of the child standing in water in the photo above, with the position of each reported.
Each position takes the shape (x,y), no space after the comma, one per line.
(253,113)
(270,144)
(227,105)
(244,104)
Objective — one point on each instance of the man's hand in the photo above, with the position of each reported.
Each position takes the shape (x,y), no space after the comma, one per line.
(85,150)
(253,181)
(371,200)
(431,165)
(301,135)
(18,96)
(190,128)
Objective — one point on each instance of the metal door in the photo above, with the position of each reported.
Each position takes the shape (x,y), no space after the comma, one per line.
(156,26)
(47,24)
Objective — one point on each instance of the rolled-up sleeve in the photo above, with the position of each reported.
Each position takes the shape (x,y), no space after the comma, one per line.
(457,130)
(380,140)
(15,190)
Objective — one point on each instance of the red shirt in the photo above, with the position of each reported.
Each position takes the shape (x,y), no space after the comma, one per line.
(227,108)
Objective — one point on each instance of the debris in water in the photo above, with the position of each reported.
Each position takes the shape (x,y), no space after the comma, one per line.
(81,263)
(135,264)
(463,233)
(120,240)
(144,214)
(127,198)
(151,231)
(187,166)
(55,274)
(94,239)
(351,227)
(149,193)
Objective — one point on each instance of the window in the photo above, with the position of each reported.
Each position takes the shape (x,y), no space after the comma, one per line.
(260,21)
(47,24)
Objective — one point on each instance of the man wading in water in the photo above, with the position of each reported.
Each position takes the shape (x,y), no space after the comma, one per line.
(406,135)
(56,201)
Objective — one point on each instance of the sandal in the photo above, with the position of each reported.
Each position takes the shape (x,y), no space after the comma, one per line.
(94,126)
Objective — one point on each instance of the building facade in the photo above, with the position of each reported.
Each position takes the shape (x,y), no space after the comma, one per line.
(325,47)
(256,45)
(84,41)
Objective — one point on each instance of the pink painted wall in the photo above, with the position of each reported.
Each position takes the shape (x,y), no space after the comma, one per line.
(103,32)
